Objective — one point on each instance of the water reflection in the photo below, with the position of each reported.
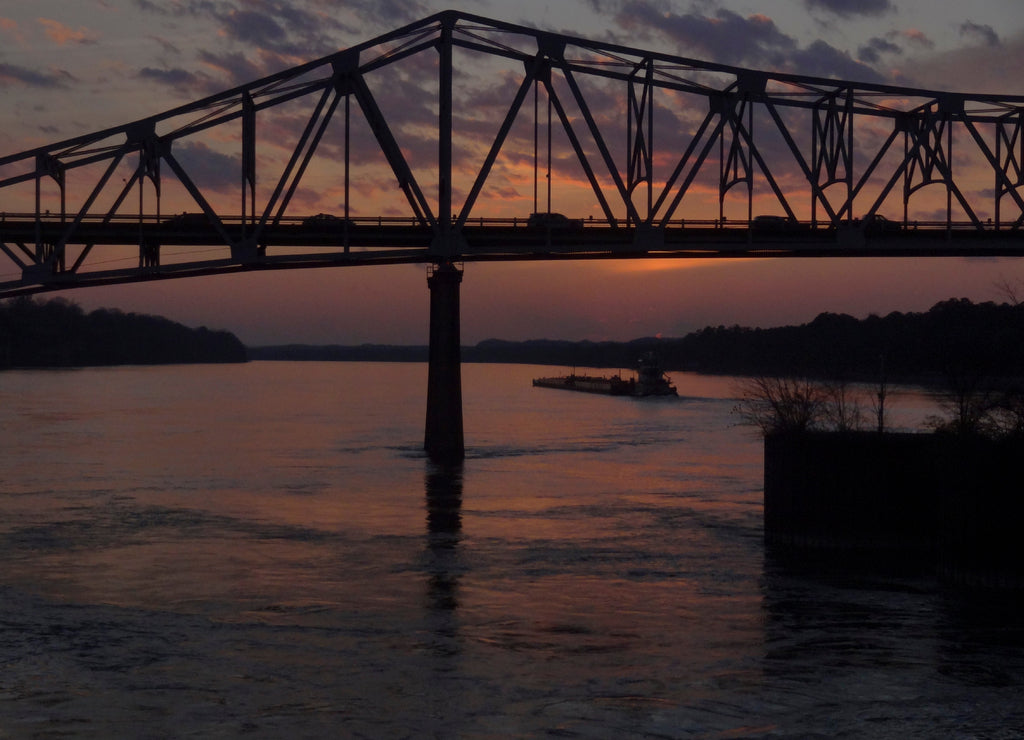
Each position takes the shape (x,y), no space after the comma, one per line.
(443,486)
(897,646)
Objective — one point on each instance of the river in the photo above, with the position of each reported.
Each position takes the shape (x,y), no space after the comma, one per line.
(263,550)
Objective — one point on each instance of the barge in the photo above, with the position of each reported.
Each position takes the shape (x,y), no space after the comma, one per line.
(650,381)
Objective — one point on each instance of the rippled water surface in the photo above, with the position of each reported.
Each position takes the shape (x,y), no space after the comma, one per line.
(263,550)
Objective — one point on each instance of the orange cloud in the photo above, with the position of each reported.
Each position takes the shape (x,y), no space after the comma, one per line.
(9,26)
(63,35)
(912,34)
(632,266)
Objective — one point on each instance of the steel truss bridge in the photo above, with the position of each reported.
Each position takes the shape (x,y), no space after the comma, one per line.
(654,139)
(437,128)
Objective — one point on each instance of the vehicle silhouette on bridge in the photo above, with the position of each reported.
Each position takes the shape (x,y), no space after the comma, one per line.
(876,223)
(327,221)
(554,221)
(776,224)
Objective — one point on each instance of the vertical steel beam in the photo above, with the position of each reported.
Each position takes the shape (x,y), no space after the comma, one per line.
(735,165)
(640,134)
(443,437)
(248,158)
(47,165)
(445,125)
(1008,162)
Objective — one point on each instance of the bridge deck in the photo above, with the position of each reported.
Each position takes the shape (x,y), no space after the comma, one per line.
(245,246)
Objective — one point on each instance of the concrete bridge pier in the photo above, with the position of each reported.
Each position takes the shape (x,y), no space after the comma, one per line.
(443,440)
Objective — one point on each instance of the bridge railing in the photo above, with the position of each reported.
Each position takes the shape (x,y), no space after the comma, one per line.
(24,219)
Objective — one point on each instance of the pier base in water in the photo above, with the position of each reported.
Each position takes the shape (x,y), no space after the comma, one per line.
(443,439)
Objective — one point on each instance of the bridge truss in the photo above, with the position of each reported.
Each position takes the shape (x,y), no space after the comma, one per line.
(424,141)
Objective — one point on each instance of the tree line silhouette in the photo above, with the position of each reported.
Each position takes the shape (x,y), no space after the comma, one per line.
(954,338)
(955,341)
(59,333)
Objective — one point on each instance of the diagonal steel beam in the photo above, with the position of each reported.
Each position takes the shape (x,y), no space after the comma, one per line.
(392,152)
(938,156)
(284,189)
(755,153)
(198,197)
(640,134)
(846,210)
(695,169)
(1004,184)
(798,157)
(499,140)
(631,213)
(578,149)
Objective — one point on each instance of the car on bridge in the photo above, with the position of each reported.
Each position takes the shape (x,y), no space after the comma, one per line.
(184,220)
(326,222)
(876,223)
(775,224)
(554,221)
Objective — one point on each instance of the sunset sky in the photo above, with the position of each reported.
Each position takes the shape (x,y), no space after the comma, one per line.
(69,68)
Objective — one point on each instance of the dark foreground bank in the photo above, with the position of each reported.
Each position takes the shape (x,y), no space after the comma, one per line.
(950,504)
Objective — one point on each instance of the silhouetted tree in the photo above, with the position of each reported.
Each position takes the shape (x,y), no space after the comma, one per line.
(776,404)
(57,333)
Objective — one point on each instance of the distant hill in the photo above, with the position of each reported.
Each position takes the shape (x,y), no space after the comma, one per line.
(953,337)
(58,333)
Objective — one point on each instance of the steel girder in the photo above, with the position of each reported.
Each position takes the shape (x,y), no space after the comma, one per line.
(836,140)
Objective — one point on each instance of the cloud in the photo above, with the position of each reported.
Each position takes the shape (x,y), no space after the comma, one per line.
(167,46)
(11,74)
(850,8)
(280,28)
(176,8)
(208,168)
(823,60)
(238,68)
(894,44)
(984,33)
(12,29)
(299,31)
(713,37)
(256,38)
(259,29)
(64,35)
(384,13)
(915,37)
(176,78)
(764,45)
(972,69)
(874,49)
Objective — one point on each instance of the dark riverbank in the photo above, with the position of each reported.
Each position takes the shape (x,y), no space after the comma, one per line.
(954,338)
